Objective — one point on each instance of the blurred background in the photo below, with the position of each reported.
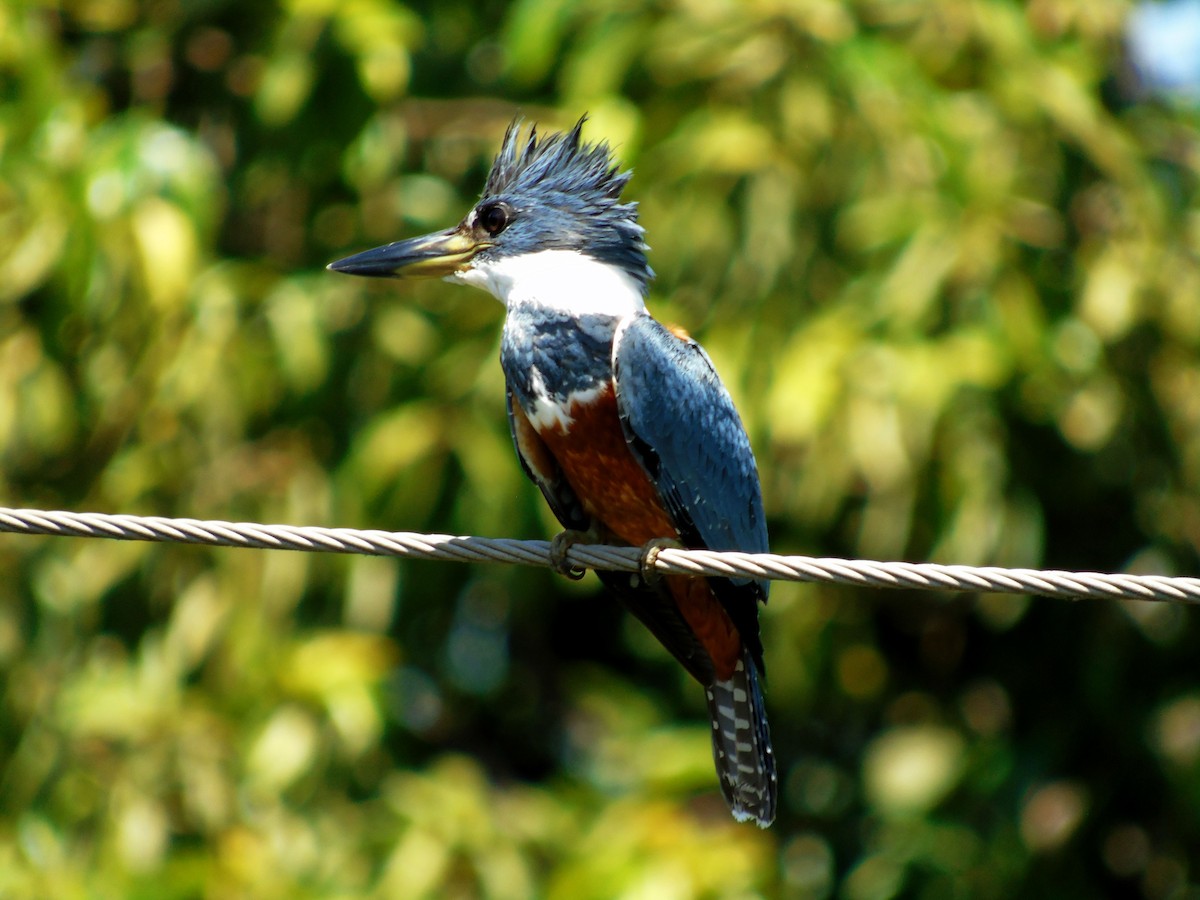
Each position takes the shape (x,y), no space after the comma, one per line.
(946,255)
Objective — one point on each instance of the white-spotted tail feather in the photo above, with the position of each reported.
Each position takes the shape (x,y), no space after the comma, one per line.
(742,745)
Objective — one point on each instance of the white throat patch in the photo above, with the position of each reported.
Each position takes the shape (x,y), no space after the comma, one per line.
(562,280)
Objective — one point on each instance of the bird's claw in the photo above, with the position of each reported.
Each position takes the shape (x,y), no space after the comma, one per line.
(560,546)
(649,557)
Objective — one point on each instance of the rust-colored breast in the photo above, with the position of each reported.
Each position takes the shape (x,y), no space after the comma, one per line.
(613,487)
(609,481)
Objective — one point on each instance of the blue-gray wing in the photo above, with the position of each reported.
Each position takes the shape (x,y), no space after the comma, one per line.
(682,426)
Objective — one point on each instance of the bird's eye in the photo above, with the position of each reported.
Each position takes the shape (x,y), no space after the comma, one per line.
(494,218)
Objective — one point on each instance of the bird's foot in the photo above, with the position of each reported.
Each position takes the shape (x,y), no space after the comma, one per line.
(650,551)
(561,545)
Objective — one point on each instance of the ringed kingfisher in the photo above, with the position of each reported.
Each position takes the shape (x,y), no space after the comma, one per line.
(620,421)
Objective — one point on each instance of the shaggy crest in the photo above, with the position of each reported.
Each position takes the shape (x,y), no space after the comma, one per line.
(575,190)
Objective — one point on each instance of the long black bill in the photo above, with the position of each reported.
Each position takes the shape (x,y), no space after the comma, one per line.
(443,253)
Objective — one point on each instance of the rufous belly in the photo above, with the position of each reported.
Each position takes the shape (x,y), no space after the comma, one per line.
(614,489)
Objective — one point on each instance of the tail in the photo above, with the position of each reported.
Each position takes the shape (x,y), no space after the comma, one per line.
(742,745)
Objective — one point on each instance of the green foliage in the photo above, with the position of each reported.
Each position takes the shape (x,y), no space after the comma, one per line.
(946,260)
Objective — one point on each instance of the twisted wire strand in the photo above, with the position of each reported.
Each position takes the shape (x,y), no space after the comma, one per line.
(667,561)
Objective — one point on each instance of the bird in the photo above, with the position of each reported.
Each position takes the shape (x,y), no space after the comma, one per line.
(619,420)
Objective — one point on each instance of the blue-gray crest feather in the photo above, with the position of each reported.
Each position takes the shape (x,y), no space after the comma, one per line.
(566,194)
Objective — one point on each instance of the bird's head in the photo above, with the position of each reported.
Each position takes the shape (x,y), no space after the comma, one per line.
(554,193)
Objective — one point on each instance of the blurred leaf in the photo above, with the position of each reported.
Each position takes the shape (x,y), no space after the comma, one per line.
(908,770)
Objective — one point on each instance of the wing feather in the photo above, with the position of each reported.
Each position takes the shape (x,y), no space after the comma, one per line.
(682,426)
